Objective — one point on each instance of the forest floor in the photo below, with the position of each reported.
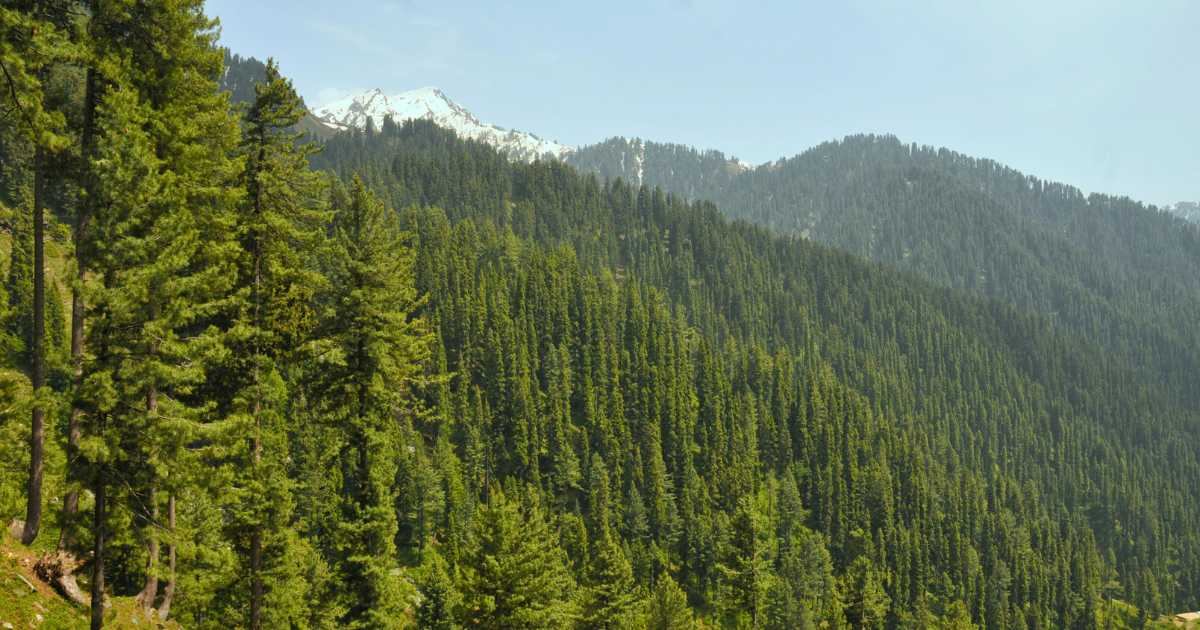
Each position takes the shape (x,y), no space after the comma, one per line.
(1121,615)
(26,602)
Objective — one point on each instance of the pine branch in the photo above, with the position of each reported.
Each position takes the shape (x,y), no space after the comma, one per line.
(12,88)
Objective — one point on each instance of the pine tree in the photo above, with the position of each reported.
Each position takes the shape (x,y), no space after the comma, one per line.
(280,220)
(164,266)
(516,575)
(32,41)
(438,597)
(363,382)
(129,175)
(19,286)
(783,611)
(9,343)
(84,209)
(745,569)
(612,596)
(867,602)
(668,607)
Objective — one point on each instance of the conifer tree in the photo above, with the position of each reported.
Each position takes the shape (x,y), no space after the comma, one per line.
(8,341)
(867,602)
(364,380)
(668,607)
(128,175)
(94,52)
(745,568)
(32,41)
(438,597)
(280,222)
(782,611)
(516,575)
(612,596)
(31,350)
(164,264)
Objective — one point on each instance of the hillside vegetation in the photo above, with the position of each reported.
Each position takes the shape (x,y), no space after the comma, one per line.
(1105,268)
(394,379)
(778,318)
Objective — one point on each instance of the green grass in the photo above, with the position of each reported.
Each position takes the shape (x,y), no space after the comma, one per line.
(41,607)
(22,606)
(1123,615)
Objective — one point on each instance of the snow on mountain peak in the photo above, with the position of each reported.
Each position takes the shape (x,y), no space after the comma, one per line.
(432,104)
(1187,210)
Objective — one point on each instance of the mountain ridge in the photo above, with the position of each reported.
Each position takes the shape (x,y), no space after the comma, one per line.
(1108,267)
(431,103)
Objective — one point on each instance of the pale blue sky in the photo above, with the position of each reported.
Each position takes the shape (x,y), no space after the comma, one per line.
(1103,95)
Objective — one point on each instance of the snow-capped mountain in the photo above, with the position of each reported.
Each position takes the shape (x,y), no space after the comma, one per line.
(1187,210)
(432,104)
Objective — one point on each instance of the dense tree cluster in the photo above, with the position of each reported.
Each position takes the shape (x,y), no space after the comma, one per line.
(679,169)
(970,401)
(1106,268)
(432,387)
(214,274)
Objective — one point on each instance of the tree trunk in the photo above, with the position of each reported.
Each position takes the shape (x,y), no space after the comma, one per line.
(149,593)
(256,582)
(169,592)
(58,569)
(98,525)
(256,585)
(37,435)
(145,598)
(79,239)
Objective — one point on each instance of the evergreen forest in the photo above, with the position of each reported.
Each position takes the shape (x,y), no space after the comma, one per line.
(253,376)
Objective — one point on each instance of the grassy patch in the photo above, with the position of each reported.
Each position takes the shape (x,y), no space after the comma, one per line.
(27,602)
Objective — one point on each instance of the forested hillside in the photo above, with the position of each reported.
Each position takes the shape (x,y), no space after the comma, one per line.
(1186,210)
(396,380)
(680,169)
(922,359)
(1106,268)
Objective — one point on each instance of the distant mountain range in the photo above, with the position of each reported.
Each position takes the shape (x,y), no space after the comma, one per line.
(1089,304)
(430,103)
(1108,268)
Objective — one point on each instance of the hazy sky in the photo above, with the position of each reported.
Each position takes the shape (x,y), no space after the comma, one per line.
(1102,95)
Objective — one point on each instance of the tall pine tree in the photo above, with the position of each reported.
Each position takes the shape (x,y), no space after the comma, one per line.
(374,353)
(164,266)
(32,41)
(280,224)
